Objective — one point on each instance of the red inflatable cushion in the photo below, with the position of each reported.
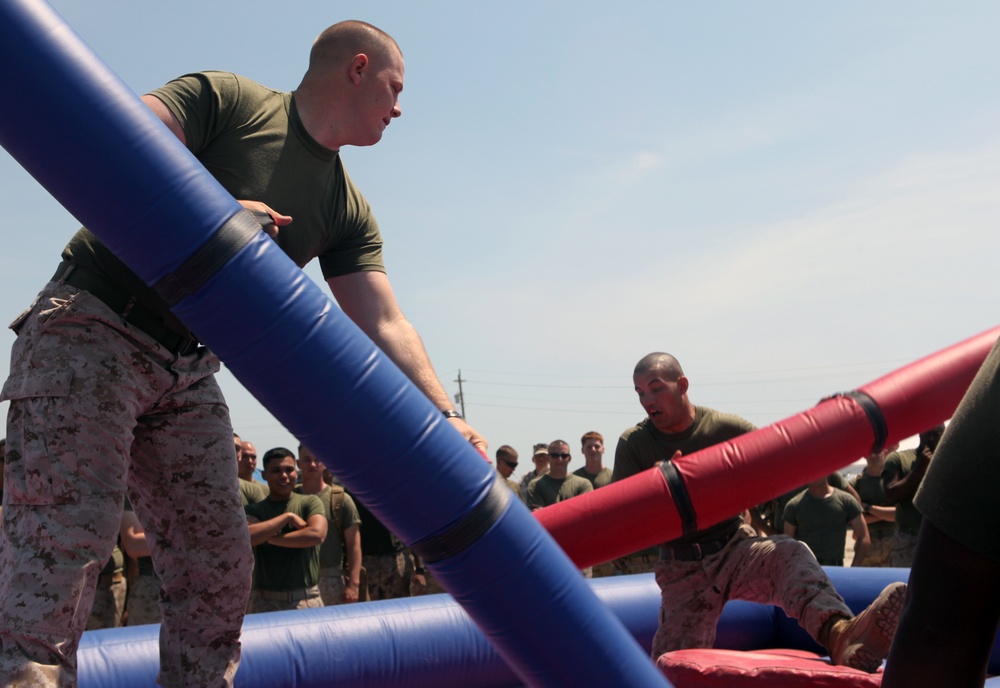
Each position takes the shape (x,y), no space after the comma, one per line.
(778,668)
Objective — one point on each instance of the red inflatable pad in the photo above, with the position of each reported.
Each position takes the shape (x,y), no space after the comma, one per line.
(778,668)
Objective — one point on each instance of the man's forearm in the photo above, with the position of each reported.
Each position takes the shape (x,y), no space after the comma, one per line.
(263,531)
(904,488)
(400,341)
(367,299)
(861,549)
(353,557)
(882,513)
(297,539)
(312,535)
(862,540)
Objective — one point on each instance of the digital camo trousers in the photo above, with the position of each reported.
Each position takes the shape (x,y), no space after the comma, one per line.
(878,555)
(96,405)
(901,549)
(331,585)
(771,570)
(387,579)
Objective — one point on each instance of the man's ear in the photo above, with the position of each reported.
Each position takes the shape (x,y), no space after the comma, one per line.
(358,65)
(682,384)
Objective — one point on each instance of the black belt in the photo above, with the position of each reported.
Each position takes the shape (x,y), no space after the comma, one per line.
(696,551)
(126,305)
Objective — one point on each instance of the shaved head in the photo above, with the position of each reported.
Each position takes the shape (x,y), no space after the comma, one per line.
(665,363)
(350,92)
(344,40)
(662,388)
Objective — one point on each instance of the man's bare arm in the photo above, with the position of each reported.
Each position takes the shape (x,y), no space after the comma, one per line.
(164,114)
(862,541)
(352,547)
(263,531)
(898,488)
(132,535)
(367,298)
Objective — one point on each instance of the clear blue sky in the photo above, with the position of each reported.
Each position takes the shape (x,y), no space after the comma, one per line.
(792,198)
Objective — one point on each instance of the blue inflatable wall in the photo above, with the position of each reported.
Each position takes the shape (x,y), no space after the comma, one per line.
(429,642)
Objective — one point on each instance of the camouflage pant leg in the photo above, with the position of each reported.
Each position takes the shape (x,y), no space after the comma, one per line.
(690,606)
(782,571)
(386,576)
(144,601)
(109,604)
(86,391)
(878,555)
(73,396)
(261,605)
(45,600)
(772,570)
(331,585)
(901,549)
(639,562)
(184,491)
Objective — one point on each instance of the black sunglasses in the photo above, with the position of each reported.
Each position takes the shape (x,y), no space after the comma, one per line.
(512,464)
(557,455)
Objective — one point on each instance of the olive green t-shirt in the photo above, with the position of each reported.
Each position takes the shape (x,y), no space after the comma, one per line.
(641,447)
(342,513)
(822,522)
(871,489)
(600,480)
(251,139)
(515,487)
(286,568)
(898,465)
(252,492)
(772,512)
(546,491)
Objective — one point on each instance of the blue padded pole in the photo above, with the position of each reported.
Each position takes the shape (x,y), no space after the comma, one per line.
(80,131)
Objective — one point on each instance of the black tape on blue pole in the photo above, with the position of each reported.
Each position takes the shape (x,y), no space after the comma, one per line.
(191,275)
(468,529)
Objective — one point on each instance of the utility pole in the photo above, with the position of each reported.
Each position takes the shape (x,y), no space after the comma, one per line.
(460,397)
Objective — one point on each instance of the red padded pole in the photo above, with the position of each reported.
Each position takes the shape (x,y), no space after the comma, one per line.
(723,480)
(596,527)
(927,392)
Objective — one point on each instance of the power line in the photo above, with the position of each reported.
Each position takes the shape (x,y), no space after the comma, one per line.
(561,410)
